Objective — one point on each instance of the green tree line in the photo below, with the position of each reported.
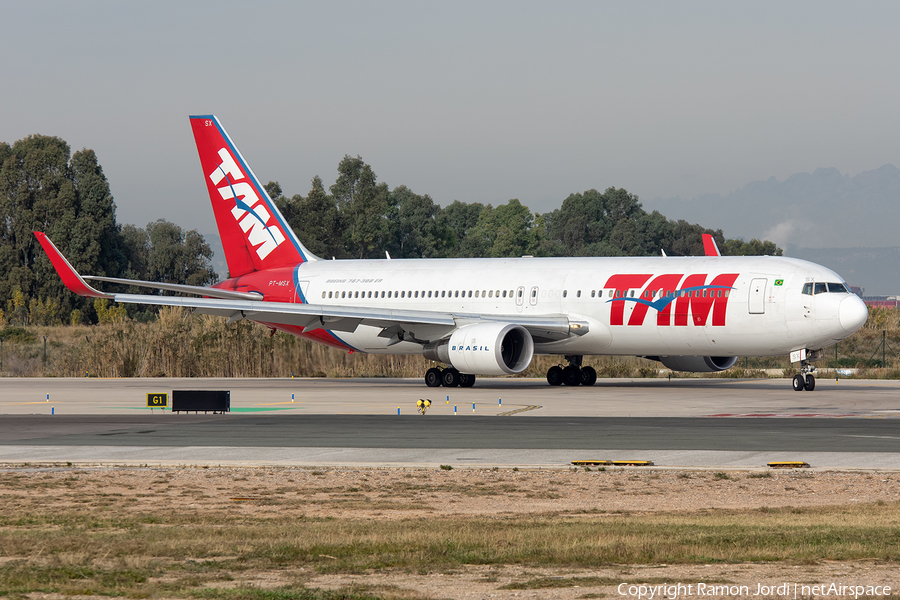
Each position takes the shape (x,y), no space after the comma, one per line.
(358,217)
(45,187)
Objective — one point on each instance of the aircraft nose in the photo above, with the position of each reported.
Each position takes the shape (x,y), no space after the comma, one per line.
(853,313)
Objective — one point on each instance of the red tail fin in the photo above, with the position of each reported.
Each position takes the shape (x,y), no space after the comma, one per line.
(709,245)
(254,234)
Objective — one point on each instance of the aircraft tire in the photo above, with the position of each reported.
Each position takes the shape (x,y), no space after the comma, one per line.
(554,375)
(450,378)
(799,384)
(433,377)
(810,383)
(572,375)
(466,380)
(588,376)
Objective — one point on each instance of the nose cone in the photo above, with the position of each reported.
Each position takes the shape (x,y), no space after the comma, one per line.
(853,313)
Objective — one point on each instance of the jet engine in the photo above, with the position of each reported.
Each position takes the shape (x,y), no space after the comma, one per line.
(698,364)
(485,349)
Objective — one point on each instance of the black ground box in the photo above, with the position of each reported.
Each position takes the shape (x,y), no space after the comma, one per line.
(217,401)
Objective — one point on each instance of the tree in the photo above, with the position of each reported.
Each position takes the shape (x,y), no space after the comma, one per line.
(585,224)
(461,218)
(736,247)
(505,231)
(365,208)
(422,229)
(315,220)
(178,256)
(166,253)
(42,190)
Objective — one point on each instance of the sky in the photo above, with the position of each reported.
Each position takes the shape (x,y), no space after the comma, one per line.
(471,101)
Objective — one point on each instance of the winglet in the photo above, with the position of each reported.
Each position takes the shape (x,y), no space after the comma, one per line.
(709,245)
(66,272)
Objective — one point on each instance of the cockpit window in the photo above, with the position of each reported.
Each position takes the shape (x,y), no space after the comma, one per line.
(823,288)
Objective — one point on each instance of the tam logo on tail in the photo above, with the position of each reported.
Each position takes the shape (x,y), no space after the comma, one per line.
(252,230)
(248,211)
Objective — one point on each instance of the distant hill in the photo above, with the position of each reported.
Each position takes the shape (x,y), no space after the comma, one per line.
(875,269)
(823,209)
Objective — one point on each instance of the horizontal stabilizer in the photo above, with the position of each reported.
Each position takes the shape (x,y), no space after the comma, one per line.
(198,290)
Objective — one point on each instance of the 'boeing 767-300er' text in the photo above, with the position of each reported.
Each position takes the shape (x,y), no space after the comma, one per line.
(490,316)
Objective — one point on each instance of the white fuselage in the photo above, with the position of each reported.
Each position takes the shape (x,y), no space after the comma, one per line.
(762,313)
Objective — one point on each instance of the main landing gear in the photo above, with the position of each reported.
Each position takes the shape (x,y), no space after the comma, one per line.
(448,377)
(573,374)
(806,380)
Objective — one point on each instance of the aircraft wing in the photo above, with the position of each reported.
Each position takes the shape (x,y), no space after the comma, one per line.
(424,325)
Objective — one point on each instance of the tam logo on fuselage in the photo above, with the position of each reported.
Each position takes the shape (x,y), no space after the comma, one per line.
(693,298)
(249,211)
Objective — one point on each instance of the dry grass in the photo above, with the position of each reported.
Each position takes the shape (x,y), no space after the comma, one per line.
(170,533)
(178,344)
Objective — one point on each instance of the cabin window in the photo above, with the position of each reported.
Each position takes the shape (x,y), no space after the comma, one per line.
(490,293)
(610,293)
(323,294)
(704,293)
(343,294)
(719,294)
(578,294)
(631,294)
(476,293)
(727,293)
(329,294)
(565,293)
(389,294)
(356,295)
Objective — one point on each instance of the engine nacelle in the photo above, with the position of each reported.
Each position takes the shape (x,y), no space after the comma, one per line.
(698,364)
(485,349)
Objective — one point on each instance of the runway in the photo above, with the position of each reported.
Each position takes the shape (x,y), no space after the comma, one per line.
(526,423)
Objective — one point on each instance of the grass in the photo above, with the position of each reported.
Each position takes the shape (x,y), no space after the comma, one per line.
(88,535)
(177,344)
(160,553)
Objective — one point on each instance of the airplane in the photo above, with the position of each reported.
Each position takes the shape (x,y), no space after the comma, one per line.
(491,316)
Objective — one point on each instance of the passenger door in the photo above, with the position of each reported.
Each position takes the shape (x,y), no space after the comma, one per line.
(757,300)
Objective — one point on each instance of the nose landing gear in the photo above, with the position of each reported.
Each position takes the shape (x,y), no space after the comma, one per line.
(806,380)
(573,374)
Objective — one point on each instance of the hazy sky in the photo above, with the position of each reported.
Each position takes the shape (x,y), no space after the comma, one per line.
(475,101)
